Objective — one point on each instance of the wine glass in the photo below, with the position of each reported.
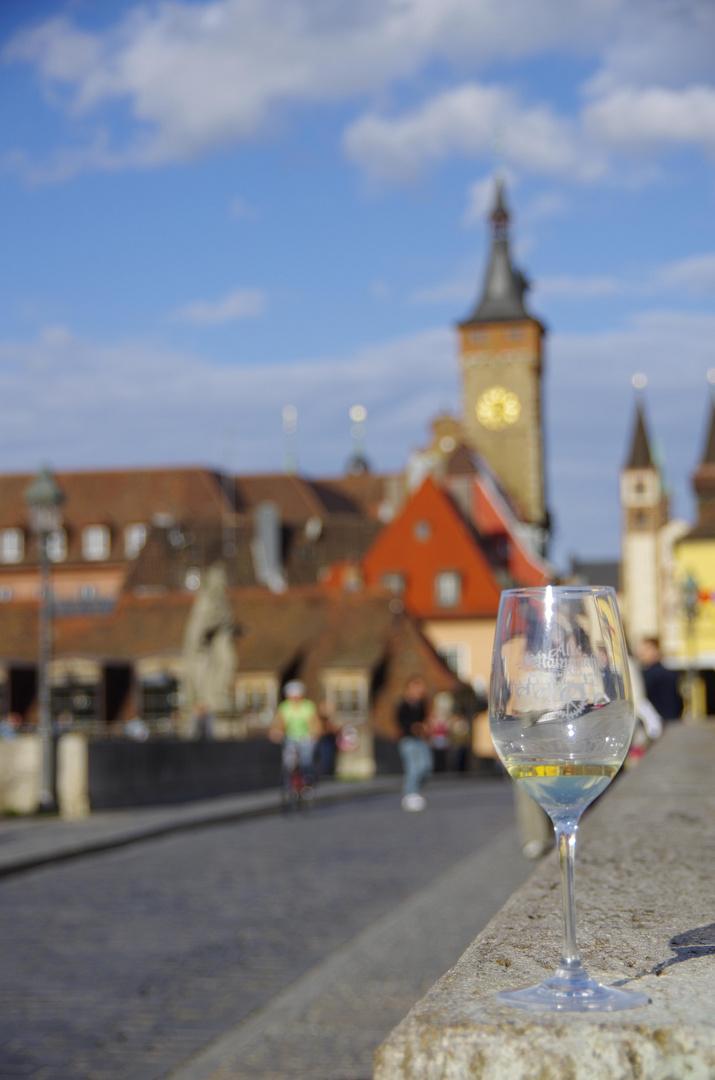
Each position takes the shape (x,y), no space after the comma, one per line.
(561,711)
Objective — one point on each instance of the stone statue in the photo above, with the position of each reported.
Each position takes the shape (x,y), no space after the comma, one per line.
(209,651)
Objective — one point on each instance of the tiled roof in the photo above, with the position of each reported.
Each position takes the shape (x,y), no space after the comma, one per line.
(366,491)
(169,554)
(118,498)
(293,495)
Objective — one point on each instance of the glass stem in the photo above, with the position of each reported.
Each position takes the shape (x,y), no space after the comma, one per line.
(566,842)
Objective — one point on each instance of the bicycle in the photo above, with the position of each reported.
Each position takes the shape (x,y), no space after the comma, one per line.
(298,788)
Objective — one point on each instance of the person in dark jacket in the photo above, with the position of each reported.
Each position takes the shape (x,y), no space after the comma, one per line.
(661,684)
(412,720)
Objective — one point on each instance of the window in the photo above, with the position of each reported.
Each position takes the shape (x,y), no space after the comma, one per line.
(12,545)
(158,697)
(57,546)
(456,657)
(134,540)
(448,589)
(87,592)
(5,594)
(347,695)
(95,542)
(422,531)
(257,694)
(394,582)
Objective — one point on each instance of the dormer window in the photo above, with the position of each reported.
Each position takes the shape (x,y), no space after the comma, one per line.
(57,546)
(12,545)
(95,542)
(448,589)
(134,540)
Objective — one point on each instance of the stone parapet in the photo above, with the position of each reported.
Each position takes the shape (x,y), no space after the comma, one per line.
(645,891)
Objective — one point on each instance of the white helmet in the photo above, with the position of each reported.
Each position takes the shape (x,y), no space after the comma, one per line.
(294,688)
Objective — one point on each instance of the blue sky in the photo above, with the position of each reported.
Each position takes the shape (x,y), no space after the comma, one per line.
(214,209)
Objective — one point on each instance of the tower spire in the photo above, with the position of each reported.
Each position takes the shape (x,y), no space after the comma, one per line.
(640,456)
(709,451)
(504,286)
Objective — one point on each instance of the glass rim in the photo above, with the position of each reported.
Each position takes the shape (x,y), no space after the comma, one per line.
(560,590)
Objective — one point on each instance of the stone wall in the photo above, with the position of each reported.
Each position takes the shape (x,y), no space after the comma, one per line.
(124,773)
(645,893)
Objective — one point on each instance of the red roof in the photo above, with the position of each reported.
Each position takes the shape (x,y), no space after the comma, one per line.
(428,537)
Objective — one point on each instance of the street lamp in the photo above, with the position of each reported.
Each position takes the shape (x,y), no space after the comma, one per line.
(44,499)
(691,609)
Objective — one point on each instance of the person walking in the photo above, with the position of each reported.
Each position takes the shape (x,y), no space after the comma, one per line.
(415,753)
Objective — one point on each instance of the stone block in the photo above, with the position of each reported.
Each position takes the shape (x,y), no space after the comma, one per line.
(645,891)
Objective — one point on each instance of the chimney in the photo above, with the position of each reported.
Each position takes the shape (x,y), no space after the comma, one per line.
(266,547)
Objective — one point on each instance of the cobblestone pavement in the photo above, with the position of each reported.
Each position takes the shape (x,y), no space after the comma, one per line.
(125,963)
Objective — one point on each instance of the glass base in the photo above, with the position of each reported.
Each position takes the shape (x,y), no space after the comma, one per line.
(565,992)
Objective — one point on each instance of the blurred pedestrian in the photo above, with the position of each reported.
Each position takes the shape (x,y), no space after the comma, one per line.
(203,721)
(440,730)
(136,729)
(327,742)
(661,684)
(416,755)
(649,723)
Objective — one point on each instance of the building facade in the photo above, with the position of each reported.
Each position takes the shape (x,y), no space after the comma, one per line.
(501,361)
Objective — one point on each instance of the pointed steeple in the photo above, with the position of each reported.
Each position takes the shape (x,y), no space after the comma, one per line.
(709,452)
(504,286)
(640,457)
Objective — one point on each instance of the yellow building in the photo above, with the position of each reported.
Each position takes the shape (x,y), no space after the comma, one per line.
(694,573)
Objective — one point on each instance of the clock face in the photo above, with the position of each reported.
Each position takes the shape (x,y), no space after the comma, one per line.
(497,408)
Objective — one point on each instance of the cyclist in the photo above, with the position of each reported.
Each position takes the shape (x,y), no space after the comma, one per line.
(297,725)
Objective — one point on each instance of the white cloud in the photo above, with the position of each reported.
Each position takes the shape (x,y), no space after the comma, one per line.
(590,408)
(56,389)
(637,120)
(696,274)
(466,121)
(70,400)
(196,76)
(238,304)
(661,43)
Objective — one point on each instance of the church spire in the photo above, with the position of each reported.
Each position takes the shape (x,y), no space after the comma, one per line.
(709,452)
(504,286)
(640,456)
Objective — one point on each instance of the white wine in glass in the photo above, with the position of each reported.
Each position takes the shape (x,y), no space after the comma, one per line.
(561,712)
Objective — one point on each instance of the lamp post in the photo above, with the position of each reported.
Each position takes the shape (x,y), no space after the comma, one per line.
(44,500)
(690,607)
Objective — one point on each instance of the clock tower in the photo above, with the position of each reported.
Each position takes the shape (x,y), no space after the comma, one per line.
(501,365)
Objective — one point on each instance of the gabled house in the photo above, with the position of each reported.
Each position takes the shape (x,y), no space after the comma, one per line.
(453,546)
(431,559)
